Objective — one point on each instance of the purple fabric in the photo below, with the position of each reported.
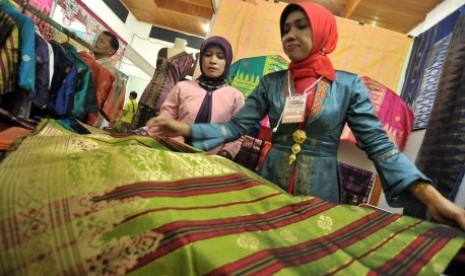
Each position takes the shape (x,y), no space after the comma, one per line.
(41,95)
(205,110)
(357,184)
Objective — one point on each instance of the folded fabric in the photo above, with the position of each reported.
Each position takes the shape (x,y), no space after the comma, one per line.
(10,135)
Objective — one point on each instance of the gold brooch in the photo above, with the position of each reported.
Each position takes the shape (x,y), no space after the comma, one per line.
(299,137)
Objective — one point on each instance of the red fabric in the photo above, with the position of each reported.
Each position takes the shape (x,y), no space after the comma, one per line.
(103,83)
(101,78)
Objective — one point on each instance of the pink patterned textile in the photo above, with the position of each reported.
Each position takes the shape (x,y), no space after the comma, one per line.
(396,117)
(44,6)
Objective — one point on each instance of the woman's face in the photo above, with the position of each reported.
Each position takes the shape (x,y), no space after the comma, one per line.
(297,36)
(213,62)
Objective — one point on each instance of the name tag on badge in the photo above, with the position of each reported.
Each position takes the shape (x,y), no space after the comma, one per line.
(294,109)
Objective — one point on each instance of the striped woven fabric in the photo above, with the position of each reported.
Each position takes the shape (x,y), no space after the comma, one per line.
(9,51)
(99,205)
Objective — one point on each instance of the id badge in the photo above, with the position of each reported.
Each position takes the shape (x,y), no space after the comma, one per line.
(294,109)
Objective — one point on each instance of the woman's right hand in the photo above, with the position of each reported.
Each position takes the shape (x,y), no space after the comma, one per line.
(167,127)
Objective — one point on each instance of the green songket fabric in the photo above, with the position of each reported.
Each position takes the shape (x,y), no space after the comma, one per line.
(98,205)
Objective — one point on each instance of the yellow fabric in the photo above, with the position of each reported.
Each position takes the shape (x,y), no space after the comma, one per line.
(253,30)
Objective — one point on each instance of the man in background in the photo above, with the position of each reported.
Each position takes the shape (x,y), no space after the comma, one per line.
(110,97)
(105,47)
(129,110)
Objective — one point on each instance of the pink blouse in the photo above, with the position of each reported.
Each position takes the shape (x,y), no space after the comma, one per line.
(186,97)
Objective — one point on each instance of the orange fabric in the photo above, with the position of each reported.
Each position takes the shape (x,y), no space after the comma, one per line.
(101,77)
(114,104)
(8,136)
(103,82)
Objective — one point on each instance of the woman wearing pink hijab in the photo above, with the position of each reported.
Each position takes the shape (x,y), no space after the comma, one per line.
(308,106)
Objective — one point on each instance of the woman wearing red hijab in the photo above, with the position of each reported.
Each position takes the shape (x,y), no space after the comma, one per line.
(308,106)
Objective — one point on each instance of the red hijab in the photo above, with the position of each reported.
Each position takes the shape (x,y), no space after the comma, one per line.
(324,37)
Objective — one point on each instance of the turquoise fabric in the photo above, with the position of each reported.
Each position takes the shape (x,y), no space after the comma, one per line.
(347,100)
(27,64)
(84,99)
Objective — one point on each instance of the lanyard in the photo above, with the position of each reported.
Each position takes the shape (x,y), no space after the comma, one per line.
(306,91)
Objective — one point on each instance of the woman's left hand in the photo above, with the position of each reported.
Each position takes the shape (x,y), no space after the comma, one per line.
(167,127)
(440,208)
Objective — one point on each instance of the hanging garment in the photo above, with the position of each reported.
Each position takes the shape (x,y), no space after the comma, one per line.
(424,68)
(442,153)
(9,52)
(102,78)
(110,102)
(26,67)
(62,66)
(168,72)
(84,98)
(41,95)
(114,103)
(63,103)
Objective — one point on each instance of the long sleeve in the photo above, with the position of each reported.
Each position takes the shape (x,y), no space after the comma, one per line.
(396,171)
(232,148)
(170,108)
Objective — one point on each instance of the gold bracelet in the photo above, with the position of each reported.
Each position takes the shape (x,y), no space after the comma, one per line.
(419,186)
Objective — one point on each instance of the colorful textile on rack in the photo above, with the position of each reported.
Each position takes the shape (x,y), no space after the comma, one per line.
(114,103)
(245,73)
(26,66)
(9,52)
(41,95)
(84,99)
(424,69)
(357,184)
(395,116)
(93,204)
(44,6)
(102,79)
